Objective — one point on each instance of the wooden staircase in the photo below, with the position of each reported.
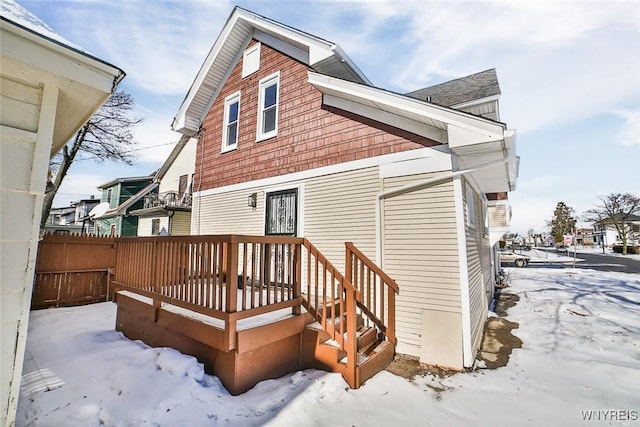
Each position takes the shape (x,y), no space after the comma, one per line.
(350,334)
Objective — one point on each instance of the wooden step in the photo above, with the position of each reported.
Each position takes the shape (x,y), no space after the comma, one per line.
(366,337)
(377,360)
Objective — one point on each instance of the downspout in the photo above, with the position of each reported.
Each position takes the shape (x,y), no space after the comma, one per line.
(420,185)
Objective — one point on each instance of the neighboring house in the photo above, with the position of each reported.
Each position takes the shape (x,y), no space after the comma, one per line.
(72,219)
(584,236)
(167,209)
(123,196)
(294,140)
(49,88)
(606,234)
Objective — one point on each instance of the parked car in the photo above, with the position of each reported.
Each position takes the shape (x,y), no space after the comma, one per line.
(518,259)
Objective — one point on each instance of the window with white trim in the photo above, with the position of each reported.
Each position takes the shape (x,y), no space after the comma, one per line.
(231,120)
(471,207)
(268,107)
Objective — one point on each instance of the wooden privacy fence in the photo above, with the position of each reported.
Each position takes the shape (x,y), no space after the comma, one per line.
(73,270)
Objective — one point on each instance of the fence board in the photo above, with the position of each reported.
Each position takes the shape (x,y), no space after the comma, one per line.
(73,270)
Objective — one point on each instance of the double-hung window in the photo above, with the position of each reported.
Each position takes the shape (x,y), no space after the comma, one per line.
(268,107)
(231,120)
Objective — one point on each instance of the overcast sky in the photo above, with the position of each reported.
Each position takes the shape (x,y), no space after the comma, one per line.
(568,71)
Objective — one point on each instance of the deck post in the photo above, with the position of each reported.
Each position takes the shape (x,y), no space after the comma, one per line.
(348,259)
(351,346)
(297,264)
(232,277)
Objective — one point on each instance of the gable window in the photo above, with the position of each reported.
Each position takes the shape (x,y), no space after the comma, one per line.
(268,107)
(109,195)
(251,60)
(155,227)
(231,116)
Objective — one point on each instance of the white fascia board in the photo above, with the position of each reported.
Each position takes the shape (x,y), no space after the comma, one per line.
(282,46)
(444,115)
(180,123)
(344,57)
(325,170)
(319,49)
(463,136)
(436,163)
(400,122)
(58,60)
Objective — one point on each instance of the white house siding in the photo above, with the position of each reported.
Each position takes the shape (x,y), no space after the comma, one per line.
(184,164)
(487,109)
(479,268)
(498,215)
(228,213)
(420,252)
(145,225)
(340,208)
(180,224)
(26,129)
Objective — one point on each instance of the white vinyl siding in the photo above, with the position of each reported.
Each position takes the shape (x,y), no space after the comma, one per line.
(486,109)
(145,225)
(479,267)
(420,252)
(180,224)
(498,216)
(341,208)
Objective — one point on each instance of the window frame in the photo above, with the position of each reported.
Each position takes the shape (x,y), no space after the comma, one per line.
(228,102)
(263,85)
(471,207)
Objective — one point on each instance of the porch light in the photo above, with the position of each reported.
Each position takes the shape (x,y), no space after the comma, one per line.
(252,201)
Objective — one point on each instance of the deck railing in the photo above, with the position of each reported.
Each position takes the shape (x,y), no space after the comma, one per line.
(331,299)
(234,277)
(376,290)
(226,277)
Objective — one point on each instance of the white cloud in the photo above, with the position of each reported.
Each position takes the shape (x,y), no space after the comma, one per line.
(629,135)
(155,139)
(558,62)
(160,45)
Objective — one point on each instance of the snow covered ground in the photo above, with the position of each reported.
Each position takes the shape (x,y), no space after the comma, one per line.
(579,365)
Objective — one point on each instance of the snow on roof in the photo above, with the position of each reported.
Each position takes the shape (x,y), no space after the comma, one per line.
(13,12)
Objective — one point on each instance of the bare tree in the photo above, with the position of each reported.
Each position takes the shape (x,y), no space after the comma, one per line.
(108,135)
(615,210)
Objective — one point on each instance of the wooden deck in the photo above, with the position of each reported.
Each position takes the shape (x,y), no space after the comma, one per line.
(199,293)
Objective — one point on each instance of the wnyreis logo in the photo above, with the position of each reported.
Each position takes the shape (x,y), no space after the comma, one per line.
(609,415)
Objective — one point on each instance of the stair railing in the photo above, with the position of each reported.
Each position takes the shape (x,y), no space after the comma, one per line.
(376,290)
(331,300)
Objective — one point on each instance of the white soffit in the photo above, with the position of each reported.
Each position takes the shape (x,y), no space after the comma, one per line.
(84,82)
